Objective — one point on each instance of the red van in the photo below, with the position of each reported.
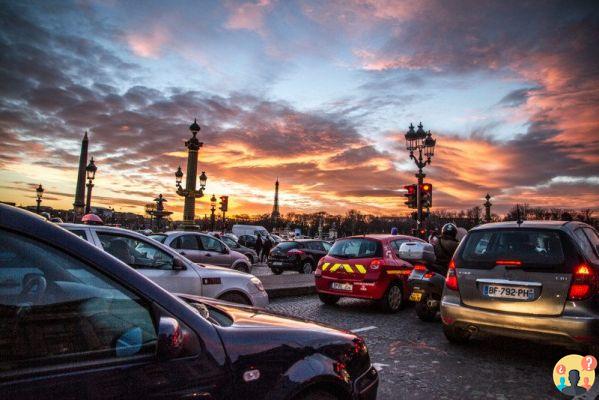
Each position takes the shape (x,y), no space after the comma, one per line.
(365,267)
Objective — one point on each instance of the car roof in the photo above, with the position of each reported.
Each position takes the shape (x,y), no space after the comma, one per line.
(383,237)
(527,224)
(105,228)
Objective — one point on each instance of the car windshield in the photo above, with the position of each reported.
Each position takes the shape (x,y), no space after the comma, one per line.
(356,248)
(158,238)
(287,246)
(530,247)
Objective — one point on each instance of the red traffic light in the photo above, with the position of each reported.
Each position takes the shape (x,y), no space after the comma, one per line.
(410,189)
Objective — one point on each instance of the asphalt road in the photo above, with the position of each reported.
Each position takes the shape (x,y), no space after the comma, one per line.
(416,361)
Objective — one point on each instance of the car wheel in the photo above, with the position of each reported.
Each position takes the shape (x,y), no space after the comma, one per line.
(250,257)
(455,334)
(306,268)
(328,299)
(277,271)
(242,268)
(392,301)
(316,395)
(235,297)
(424,312)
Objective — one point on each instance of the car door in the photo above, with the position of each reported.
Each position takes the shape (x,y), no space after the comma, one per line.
(215,251)
(83,334)
(190,247)
(147,257)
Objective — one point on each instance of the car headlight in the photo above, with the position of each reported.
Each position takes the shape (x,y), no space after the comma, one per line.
(257,283)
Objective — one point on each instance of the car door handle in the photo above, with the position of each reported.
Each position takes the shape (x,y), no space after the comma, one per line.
(182,253)
(208,255)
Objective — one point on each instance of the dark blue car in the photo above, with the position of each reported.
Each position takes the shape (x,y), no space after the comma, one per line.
(76,322)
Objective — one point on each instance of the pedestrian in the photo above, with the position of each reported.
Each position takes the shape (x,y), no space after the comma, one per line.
(266,248)
(258,247)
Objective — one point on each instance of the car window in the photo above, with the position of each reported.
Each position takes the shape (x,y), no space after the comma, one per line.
(56,310)
(396,244)
(287,246)
(315,246)
(356,248)
(212,244)
(229,242)
(188,242)
(135,252)
(327,246)
(584,238)
(158,238)
(79,232)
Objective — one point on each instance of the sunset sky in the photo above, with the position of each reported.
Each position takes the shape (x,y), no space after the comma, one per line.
(317,93)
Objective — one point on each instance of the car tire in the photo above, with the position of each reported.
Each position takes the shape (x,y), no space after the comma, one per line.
(328,299)
(392,301)
(455,334)
(242,268)
(251,258)
(424,312)
(316,395)
(306,268)
(277,271)
(235,297)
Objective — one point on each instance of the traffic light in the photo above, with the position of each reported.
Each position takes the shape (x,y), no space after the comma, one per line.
(224,203)
(411,196)
(426,192)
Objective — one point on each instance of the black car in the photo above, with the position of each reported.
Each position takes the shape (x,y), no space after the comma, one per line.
(300,255)
(76,322)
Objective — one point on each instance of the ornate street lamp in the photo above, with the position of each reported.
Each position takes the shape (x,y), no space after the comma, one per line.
(91,175)
(39,192)
(421,146)
(212,215)
(189,192)
(488,205)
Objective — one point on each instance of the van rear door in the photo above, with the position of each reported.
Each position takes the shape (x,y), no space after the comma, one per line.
(516,270)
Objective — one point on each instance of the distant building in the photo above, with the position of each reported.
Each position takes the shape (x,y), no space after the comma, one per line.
(276,214)
(79,203)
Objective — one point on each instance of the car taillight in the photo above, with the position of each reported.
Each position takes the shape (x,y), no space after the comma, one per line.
(451,281)
(515,263)
(295,252)
(375,264)
(584,283)
(419,267)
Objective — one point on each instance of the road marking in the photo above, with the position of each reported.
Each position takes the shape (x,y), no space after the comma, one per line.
(379,366)
(367,328)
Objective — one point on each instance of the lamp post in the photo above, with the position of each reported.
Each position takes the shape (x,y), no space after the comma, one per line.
(189,192)
(488,205)
(421,146)
(39,192)
(212,211)
(91,175)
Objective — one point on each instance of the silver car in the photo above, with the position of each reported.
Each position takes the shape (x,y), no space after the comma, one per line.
(537,279)
(204,248)
(170,270)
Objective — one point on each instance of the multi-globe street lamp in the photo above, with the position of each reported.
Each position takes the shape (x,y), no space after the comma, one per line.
(39,192)
(421,146)
(91,175)
(189,192)
(212,211)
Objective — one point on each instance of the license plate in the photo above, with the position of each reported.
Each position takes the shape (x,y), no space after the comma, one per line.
(277,263)
(416,296)
(509,292)
(342,286)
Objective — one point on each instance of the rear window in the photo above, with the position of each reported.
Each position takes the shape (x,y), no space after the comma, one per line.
(287,246)
(533,248)
(356,248)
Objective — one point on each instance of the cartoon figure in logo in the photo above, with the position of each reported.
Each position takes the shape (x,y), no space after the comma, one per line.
(574,389)
(562,383)
(586,384)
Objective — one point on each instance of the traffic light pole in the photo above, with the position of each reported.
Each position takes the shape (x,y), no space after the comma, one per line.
(420,177)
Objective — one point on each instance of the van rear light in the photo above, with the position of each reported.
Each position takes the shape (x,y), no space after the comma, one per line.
(375,264)
(585,283)
(451,281)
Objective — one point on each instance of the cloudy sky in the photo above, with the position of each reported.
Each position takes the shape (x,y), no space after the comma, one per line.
(316,93)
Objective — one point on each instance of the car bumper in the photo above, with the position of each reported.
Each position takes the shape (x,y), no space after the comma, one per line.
(365,387)
(574,325)
(260,299)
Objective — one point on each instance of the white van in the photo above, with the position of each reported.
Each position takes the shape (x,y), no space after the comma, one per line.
(240,230)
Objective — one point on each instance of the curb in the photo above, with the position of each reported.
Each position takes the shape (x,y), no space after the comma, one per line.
(274,293)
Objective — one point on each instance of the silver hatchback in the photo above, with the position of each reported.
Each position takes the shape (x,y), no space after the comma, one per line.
(537,279)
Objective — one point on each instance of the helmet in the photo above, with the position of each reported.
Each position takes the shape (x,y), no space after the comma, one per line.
(92,219)
(449,230)
(394,231)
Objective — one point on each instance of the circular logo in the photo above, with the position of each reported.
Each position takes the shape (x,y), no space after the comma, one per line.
(574,374)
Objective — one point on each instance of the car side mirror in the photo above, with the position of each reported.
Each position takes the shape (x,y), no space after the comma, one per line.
(178,264)
(170,338)
(226,250)
(417,251)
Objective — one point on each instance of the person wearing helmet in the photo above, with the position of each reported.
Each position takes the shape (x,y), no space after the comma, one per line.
(445,246)
(92,219)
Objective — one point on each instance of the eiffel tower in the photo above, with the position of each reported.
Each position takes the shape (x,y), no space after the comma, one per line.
(275,209)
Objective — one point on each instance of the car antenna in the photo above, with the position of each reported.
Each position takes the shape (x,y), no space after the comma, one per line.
(518,215)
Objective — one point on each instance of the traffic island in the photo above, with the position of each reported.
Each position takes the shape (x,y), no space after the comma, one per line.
(288,285)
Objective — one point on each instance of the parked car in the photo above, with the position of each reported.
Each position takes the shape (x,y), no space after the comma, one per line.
(248,241)
(297,255)
(536,279)
(203,248)
(366,267)
(246,251)
(171,270)
(77,322)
